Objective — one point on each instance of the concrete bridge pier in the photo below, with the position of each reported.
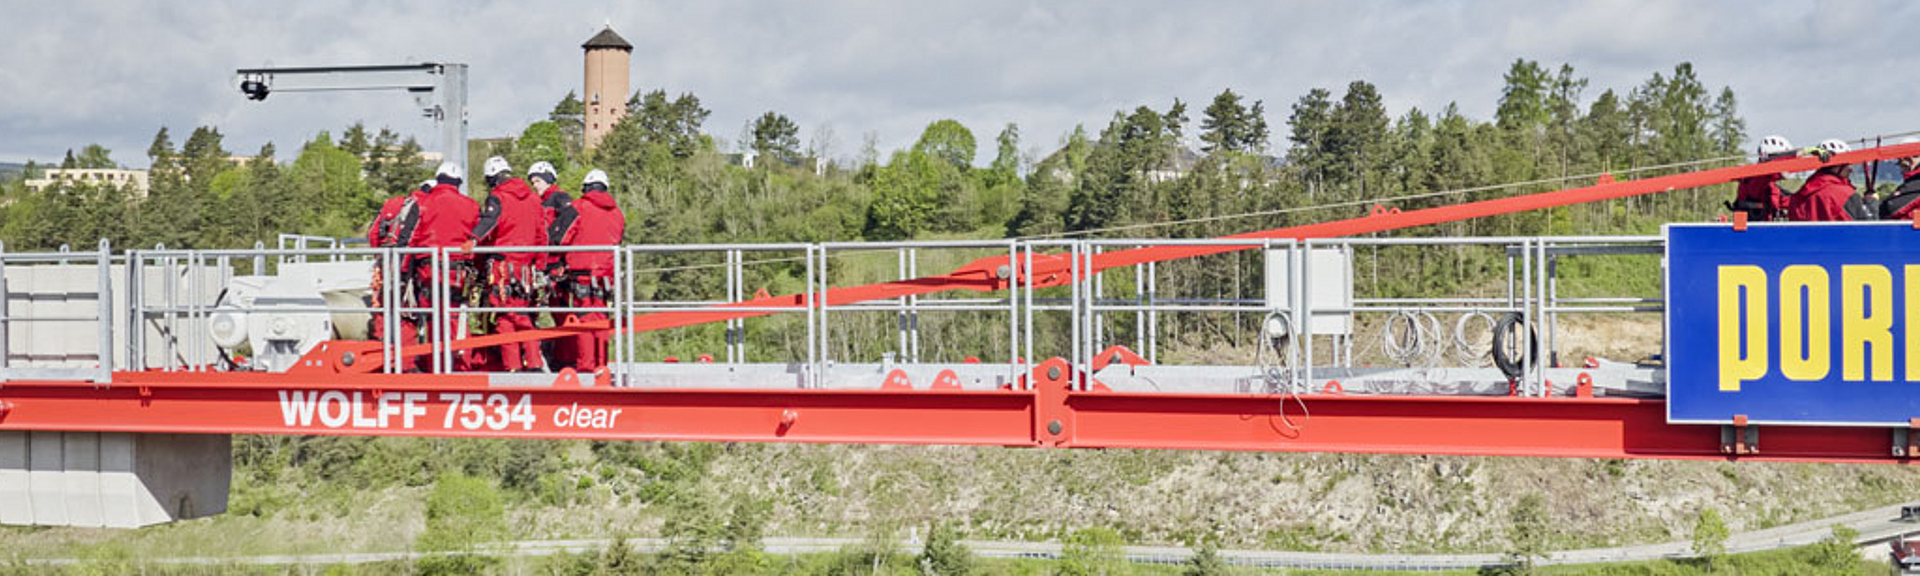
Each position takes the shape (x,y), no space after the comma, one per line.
(112,479)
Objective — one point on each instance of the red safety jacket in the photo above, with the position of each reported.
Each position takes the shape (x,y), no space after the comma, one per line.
(512,217)
(382,228)
(1822,199)
(1762,191)
(444,218)
(400,232)
(597,222)
(1902,203)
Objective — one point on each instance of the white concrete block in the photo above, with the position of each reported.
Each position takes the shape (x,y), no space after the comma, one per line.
(82,478)
(46,477)
(16,508)
(119,480)
(121,502)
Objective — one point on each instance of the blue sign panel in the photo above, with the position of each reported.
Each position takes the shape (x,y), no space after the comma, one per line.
(1794,323)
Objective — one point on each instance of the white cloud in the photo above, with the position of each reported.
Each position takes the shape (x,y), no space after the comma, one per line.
(113,72)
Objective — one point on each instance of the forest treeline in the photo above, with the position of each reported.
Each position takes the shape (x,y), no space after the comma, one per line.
(1155,163)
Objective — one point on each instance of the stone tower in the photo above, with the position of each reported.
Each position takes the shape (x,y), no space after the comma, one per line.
(605,94)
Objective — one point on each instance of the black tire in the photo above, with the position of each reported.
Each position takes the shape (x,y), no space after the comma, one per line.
(1504,331)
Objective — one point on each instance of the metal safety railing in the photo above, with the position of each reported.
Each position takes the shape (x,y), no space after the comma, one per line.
(171,312)
(23,310)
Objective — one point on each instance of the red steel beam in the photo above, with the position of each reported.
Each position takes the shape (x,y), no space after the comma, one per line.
(1048,414)
(986,274)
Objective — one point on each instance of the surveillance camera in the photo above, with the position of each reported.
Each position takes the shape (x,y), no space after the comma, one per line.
(254,89)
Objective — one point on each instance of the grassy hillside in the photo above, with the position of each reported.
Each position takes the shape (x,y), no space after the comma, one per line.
(360,494)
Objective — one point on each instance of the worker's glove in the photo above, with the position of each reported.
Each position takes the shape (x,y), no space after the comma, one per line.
(1824,154)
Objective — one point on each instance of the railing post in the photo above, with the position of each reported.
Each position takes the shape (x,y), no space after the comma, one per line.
(623,292)
(136,310)
(826,330)
(811,373)
(1014,368)
(6,318)
(1026,291)
(1306,314)
(104,274)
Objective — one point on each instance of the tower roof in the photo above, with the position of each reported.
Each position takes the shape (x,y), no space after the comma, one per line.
(607,39)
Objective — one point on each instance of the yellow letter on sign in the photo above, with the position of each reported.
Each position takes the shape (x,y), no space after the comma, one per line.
(1866,320)
(1809,357)
(1736,366)
(1912,285)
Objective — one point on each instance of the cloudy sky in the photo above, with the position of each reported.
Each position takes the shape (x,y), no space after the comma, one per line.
(114,71)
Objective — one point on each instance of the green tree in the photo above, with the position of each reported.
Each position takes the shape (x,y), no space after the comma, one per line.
(540,142)
(329,178)
(202,155)
(394,166)
(160,153)
(1227,125)
(1093,552)
(1709,537)
(355,140)
(776,138)
(94,157)
(1115,185)
(1413,141)
(1563,120)
(1206,560)
(707,534)
(571,115)
(1356,139)
(1308,126)
(906,195)
(463,513)
(1674,114)
(1006,159)
(1835,554)
(943,554)
(1043,204)
(1728,130)
(1606,133)
(1527,534)
(1523,100)
(947,141)
(674,123)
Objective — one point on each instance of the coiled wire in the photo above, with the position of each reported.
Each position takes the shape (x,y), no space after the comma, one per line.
(1276,355)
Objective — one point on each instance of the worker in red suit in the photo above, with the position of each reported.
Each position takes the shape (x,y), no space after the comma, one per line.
(511,217)
(553,201)
(382,234)
(556,211)
(1828,195)
(1905,199)
(378,231)
(443,218)
(596,221)
(1760,196)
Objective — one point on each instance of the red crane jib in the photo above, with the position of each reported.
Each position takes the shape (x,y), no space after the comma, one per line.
(995,273)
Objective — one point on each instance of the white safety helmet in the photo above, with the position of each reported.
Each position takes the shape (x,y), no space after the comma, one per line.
(1775,145)
(428,185)
(1835,146)
(594,177)
(449,170)
(543,168)
(495,166)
